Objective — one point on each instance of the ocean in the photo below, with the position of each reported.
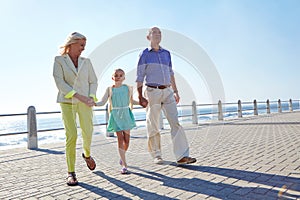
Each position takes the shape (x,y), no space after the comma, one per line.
(18,124)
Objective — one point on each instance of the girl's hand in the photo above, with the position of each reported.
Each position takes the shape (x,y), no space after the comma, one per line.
(89,101)
(143,102)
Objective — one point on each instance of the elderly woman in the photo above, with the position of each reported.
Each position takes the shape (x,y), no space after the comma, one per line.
(77,84)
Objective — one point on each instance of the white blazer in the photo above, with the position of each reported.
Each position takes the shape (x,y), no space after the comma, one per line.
(70,80)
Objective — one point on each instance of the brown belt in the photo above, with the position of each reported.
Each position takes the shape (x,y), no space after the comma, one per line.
(159,86)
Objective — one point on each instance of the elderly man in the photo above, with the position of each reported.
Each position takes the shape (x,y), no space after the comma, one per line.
(155,68)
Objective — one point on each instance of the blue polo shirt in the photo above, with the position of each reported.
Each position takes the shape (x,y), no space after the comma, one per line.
(155,67)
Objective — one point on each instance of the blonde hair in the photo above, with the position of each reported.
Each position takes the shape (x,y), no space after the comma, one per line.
(71,39)
(118,70)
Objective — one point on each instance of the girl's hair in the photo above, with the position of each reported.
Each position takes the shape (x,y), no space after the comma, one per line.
(118,70)
(71,39)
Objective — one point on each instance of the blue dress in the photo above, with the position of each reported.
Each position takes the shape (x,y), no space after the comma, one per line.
(121,117)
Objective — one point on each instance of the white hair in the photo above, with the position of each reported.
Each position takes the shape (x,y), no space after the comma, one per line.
(71,39)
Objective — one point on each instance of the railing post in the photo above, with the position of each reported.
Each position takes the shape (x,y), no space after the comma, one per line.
(268,107)
(291,105)
(194,113)
(279,106)
(32,142)
(240,109)
(255,110)
(108,134)
(161,121)
(220,110)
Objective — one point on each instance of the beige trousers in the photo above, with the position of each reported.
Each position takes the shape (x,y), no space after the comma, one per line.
(163,99)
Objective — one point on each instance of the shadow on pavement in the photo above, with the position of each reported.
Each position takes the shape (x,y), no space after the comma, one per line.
(27,155)
(131,188)
(256,177)
(101,192)
(222,190)
(49,151)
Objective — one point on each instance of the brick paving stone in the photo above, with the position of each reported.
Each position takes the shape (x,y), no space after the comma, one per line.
(230,181)
(226,191)
(243,191)
(186,195)
(199,196)
(212,198)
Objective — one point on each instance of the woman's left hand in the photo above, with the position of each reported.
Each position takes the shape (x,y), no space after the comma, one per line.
(90,102)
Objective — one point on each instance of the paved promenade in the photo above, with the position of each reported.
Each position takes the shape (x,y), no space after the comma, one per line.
(248,158)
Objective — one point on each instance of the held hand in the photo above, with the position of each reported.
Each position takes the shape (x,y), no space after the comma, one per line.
(143,102)
(87,100)
(90,102)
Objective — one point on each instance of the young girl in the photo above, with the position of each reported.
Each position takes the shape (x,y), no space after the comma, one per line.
(121,118)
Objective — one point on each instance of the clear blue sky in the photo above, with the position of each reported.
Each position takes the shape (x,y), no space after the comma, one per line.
(254,44)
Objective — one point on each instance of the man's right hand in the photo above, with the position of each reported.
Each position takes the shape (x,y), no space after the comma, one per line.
(143,102)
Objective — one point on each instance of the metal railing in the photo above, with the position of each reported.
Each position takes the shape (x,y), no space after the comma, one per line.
(217,111)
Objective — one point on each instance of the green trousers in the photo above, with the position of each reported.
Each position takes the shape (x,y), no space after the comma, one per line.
(85,115)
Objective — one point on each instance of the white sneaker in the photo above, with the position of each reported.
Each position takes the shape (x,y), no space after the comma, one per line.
(158,160)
